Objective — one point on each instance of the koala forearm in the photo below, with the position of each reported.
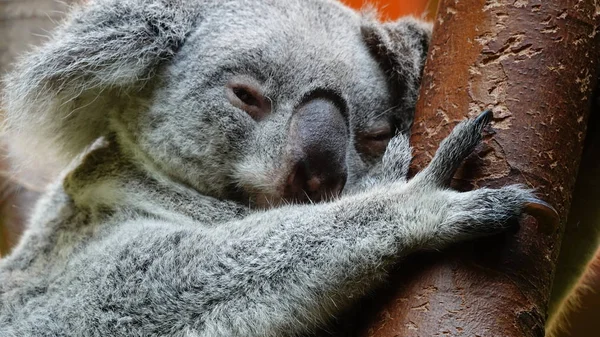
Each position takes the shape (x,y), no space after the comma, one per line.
(316,258)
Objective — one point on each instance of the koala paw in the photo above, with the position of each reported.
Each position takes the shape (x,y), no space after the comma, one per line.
(392,168)
(396,160)
(489,211)
(454,149)
(480,212)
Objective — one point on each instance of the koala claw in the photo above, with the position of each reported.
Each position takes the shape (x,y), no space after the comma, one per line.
(543,211)
(484,118)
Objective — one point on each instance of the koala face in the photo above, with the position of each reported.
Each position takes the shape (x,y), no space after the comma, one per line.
(280,102)
(258,101)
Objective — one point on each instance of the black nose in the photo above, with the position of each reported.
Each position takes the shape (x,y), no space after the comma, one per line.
(317,144)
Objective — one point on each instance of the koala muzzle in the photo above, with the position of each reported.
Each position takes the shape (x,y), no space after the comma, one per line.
(316,152)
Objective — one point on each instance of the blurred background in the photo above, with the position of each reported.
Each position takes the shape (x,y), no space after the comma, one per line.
(26,23)
(393,9)
(23,24)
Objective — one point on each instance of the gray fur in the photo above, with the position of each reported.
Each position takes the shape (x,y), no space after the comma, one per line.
(152,234)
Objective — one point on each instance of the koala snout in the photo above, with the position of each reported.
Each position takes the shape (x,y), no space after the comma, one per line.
(317,144)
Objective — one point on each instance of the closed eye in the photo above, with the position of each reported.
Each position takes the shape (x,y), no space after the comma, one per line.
(379,136)
(248,97)
(372,142)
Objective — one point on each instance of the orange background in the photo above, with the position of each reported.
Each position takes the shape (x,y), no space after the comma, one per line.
(393,9)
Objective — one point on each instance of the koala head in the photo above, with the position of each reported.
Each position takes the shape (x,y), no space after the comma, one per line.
(259,100)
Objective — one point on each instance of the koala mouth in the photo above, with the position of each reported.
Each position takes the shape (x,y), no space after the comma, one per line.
(305,182)
(314,181)
(315,190)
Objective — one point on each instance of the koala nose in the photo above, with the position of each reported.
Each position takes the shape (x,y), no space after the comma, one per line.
(317,143)
(315,182)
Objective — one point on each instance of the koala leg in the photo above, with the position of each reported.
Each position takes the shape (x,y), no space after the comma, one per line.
(393,167)
(454,149)
(396,160)
(478,212)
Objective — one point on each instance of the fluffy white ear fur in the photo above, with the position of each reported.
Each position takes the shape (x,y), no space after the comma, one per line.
(59,96)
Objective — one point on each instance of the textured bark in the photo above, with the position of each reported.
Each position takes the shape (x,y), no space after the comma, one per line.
(534,63)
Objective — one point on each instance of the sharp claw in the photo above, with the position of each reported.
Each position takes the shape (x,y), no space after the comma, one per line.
(543,211)
(484,118)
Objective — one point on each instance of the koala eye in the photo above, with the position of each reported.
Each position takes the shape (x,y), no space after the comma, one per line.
(373,142)
(248,97)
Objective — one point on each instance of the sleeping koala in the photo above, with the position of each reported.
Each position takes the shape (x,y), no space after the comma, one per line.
(242,186)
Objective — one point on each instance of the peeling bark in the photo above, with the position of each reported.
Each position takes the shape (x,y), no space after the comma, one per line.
(534,63)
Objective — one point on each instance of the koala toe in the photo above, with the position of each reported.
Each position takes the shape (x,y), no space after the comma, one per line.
(453,150)
(488,211)
(397,157)
(483,119)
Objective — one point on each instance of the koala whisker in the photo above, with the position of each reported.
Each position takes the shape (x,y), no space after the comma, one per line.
(271,104)
(310,201)
(47,36)
(385,112)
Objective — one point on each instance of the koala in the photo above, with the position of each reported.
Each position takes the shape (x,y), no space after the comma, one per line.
(238,168)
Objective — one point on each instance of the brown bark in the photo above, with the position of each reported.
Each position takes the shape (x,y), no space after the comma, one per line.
(534,63)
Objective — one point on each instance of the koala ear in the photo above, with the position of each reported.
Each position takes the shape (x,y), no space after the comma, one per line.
(62,92)
(401,48)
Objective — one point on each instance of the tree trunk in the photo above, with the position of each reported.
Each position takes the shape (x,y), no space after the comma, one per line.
(534,63)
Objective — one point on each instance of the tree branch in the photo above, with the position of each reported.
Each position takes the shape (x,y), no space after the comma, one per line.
(534,63)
